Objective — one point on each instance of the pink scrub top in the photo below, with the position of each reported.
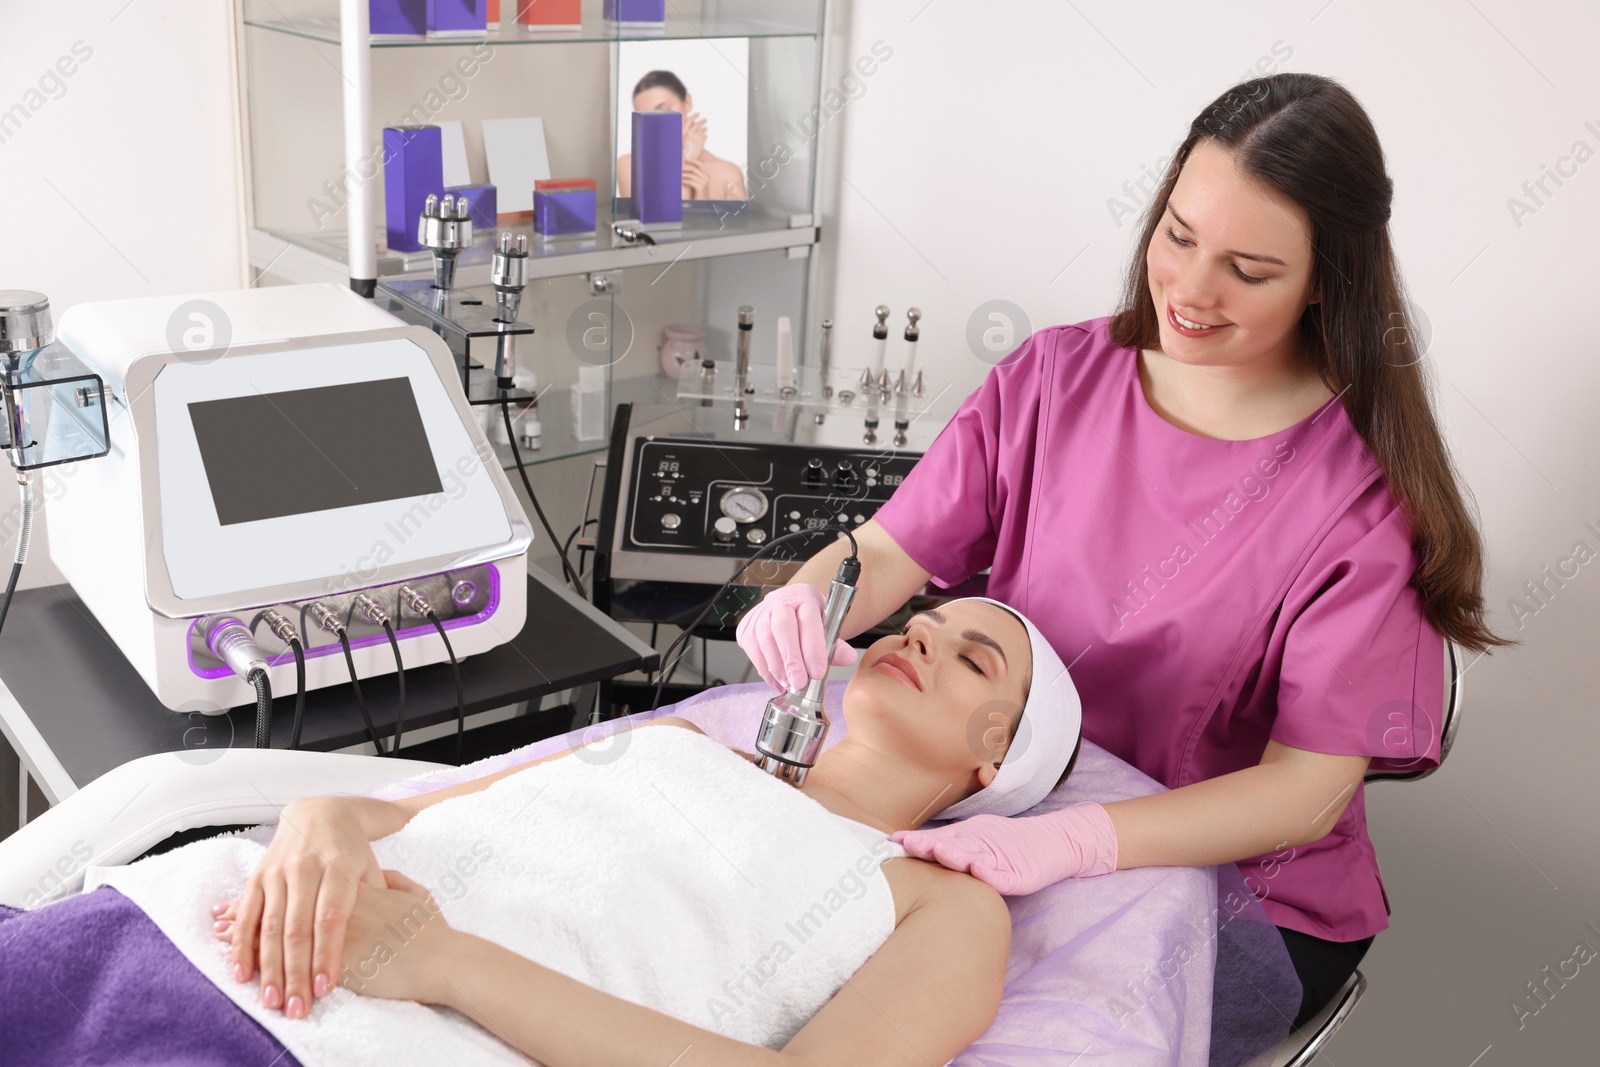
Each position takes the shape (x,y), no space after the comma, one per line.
(1208,595)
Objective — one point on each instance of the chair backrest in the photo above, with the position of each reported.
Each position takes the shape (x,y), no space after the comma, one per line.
(1449,723)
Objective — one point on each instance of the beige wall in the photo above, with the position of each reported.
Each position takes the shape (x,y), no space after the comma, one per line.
(1491,864)
(123,180)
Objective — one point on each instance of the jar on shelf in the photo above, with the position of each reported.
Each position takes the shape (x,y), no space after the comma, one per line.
(682,342)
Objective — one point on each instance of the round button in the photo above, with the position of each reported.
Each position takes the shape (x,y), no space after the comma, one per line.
(860,518)
(725,528)
(794,514)
(671,520)
(463,592)
(843,517)
(755,536)
(794,527)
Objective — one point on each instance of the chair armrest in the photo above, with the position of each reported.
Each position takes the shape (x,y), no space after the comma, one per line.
(126,811)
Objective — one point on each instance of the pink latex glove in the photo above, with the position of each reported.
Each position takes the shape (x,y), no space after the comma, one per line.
(783,636)
(1021,855)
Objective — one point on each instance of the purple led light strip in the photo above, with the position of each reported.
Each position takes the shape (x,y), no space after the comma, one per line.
(287,655)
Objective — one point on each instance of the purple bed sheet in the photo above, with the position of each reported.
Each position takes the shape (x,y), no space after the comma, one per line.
(1158,966)
(1146,966)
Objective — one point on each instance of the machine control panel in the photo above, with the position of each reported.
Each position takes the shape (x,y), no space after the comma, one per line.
(691,495)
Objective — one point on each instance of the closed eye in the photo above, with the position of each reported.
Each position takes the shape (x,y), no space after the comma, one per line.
(1181,243)
(968,659)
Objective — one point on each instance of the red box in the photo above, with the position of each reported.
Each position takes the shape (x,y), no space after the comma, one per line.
(551,184)
(550,14)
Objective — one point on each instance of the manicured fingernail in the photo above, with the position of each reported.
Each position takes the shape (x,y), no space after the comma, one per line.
(238,972)
(221,925)
(269,996)
(319,985)
(218,909)
(296,1008)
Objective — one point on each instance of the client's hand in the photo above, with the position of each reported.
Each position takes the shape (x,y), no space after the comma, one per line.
(783,637)
(1021,855)
(395,942)
(298,901)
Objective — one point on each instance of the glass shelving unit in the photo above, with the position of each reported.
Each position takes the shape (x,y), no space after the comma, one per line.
(303,82)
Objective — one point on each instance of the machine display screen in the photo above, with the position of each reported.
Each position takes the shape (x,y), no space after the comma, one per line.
(268,455)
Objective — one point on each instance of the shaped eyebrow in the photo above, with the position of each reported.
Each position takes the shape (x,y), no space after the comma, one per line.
(977,636)
(1241,255)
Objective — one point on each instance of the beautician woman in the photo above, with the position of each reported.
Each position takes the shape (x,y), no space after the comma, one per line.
(1229,508)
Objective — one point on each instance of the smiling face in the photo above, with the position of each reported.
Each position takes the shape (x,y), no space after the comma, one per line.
(948,690)
(1231,253)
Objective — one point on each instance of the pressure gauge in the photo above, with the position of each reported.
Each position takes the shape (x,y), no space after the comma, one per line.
(744,504)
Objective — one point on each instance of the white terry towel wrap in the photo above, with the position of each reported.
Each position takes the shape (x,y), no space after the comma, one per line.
(659,866)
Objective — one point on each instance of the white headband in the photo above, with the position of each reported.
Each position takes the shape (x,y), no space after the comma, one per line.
(1044,742)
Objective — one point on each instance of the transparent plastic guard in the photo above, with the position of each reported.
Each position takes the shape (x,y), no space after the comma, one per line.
(55,410)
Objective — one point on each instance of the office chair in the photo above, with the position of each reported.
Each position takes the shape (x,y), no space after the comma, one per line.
(1302,1046)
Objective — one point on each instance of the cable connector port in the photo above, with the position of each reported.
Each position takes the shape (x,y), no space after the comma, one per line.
(281,627)
(231,642)
(371,609)
(415,601)
(327,618)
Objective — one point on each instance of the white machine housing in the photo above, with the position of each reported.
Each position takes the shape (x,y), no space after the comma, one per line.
(150,547)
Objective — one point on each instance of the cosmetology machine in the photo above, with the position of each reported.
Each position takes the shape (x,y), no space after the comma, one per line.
(781,460)
(294,484)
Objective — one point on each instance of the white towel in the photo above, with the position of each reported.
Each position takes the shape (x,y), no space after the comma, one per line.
(662,868)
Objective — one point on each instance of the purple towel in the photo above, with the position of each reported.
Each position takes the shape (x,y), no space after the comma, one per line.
(91,980)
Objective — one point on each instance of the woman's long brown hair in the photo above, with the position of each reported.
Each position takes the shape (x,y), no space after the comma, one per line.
(1307,138)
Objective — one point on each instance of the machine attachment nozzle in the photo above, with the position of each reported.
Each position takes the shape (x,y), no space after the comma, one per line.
(881,330)
(795,724)
(508,273)
(741,365)
(827,357)
(445,228)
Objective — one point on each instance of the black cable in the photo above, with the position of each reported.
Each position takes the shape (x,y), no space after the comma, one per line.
(455,668)
(516,453)
(300,689)
(774,543)
(400,679)
(24,534)
(573,536)
(263,684)
(355,683)
(11,586)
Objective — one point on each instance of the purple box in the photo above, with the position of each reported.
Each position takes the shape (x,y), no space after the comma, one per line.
(398,16)
(481,199)
(658,166)
(457,16)
(413,167)
(653,12)
(557,212)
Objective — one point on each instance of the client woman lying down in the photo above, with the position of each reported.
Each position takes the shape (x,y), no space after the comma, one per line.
(659,900)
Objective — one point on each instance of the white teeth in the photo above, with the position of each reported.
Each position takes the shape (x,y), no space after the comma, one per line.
(1191,325)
